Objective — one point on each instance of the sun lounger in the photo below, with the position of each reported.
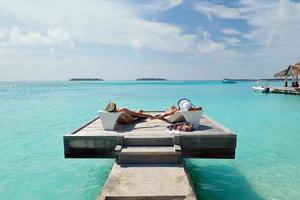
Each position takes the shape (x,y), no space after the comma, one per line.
(192,117)
(110,119)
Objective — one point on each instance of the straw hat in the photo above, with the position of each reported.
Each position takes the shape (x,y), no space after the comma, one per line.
(111,107)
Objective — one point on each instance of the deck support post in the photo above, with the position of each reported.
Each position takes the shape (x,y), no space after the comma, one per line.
(293,80)
(286,82)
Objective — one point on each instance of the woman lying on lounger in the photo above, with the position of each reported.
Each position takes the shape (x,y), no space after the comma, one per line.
(112,107)
(183,104)
(183,121)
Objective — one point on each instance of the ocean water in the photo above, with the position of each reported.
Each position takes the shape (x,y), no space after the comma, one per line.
(35,116)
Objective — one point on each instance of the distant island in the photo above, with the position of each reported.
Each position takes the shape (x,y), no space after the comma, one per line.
(151,79)
(86,79)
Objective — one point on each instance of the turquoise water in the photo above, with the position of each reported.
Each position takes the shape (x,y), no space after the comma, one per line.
(35,116)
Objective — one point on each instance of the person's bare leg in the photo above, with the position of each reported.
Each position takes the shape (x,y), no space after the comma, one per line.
(135,114)
(162,118)
(171,111)
(168,113)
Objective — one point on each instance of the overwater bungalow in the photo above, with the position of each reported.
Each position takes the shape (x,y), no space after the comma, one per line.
(292,71)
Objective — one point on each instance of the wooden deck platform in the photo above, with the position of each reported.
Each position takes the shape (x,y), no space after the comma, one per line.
(285,90)
(149,141)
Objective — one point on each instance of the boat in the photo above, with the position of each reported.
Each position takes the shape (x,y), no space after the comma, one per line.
(261,87)
(226,80)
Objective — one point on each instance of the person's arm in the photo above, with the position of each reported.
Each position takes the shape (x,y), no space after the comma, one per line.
(169,113)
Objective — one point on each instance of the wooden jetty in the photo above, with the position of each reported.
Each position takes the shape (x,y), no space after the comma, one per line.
(148,156)
(285,90)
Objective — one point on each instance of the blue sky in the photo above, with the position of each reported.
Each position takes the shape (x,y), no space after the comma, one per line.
(123,40)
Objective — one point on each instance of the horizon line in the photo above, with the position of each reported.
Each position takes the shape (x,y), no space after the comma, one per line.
(68,80)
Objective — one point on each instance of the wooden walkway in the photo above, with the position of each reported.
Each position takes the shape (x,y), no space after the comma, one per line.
(147,182)
(150,140)
(285,90)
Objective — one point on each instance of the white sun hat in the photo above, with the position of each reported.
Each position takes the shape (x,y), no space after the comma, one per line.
(185,104)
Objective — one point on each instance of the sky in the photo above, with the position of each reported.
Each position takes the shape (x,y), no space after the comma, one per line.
(125,40)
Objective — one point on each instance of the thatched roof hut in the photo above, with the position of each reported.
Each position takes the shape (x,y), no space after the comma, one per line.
(281,73)
(290,71)
(296,69)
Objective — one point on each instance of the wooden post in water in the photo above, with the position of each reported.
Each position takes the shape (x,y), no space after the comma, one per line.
(286,82)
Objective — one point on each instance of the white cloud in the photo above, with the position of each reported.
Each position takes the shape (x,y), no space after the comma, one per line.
(5,62)
(57,35)
(174,2)
(231,31)
(15,37)
(231,41)
(210,47)
(274,33)
(158,5)
(52,37)
(105,22)
(271,37)
(213,9)
(243,10)
(137,44)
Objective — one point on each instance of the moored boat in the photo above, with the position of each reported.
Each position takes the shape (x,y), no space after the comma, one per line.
(261,87)
(226,80)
